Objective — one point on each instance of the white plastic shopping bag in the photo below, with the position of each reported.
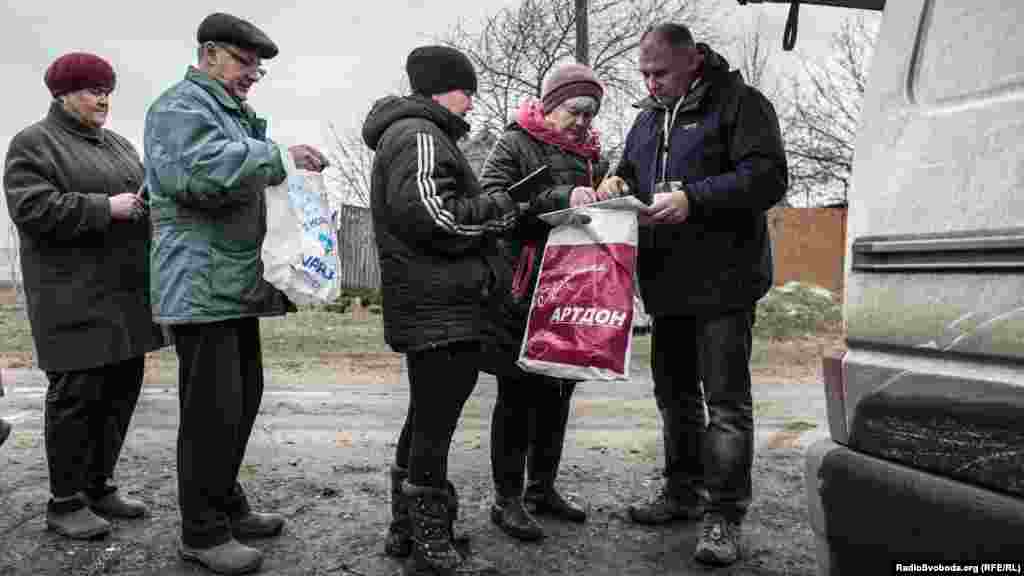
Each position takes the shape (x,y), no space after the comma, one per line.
(580,324)
(300,251)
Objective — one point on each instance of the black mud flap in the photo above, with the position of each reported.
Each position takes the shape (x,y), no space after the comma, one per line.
(968,430)
(878,514)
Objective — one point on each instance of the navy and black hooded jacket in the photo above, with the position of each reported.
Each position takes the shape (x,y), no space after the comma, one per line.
(725,146)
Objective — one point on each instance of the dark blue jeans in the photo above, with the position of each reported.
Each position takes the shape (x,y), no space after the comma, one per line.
(697,361)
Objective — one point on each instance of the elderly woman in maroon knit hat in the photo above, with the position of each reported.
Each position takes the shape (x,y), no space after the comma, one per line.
(529,420)
(73,191)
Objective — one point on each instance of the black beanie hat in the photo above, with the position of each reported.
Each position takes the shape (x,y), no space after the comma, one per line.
(439,69)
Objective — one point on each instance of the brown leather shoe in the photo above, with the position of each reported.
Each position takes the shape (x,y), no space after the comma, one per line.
(80,524)
(258,525)
(231,557)
(114,505)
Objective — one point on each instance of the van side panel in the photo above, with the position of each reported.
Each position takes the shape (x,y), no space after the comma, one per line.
(939,156)
(974,314)
(934,304)
(932,470)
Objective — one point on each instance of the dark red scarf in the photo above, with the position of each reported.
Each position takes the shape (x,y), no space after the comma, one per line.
(531,118)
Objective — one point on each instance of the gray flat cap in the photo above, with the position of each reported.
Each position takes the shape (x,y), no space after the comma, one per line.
(220,27)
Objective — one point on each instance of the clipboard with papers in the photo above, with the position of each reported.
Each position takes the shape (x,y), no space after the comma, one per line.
(530,185)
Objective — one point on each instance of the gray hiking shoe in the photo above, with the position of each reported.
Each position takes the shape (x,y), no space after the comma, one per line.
(719,541)
(665,508)
(5,430)
(80,524)
(231,557)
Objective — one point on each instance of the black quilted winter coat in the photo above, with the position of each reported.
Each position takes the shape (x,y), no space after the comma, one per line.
(515,155)
(435,228)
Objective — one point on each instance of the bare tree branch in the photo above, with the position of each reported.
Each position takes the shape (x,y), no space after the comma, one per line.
(518,46)
(821,122)
(351,166)
(513,51)
(754,53)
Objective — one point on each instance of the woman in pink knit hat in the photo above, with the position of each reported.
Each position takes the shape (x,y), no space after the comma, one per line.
(530,415)
(72,190)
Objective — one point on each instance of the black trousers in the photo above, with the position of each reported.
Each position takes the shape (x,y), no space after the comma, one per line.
(86,418)
(698,360)
(220,386)
(528,431)
(440,382)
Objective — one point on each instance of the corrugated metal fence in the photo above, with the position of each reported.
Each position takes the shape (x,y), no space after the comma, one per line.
(357,248)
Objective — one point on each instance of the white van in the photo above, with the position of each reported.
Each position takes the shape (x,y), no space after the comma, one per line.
(924,471)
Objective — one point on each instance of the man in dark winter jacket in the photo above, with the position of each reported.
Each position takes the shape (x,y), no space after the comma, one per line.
(706,153)
(435,231)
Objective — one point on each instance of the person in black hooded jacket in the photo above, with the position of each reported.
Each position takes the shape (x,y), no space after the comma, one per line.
(440,272)
(706,153)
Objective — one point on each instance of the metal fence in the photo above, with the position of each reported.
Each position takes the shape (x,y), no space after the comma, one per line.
(357,248)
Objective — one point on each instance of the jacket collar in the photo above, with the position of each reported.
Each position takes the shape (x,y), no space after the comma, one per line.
(691,101)
(217,90)
(455,125)
(65,120)
(256,125)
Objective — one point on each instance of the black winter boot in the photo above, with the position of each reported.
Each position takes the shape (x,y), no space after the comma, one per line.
(399,542)
(461,541)
(509,514)
(433,553)
(544,500)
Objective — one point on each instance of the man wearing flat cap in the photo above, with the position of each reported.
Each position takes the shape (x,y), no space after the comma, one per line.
(208,163)
(441,271)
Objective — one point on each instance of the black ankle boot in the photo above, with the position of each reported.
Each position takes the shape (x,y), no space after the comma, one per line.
(399,542)
(546,501)
(433,552)
(510,515)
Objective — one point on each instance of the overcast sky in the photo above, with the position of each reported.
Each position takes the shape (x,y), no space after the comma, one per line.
(336,57)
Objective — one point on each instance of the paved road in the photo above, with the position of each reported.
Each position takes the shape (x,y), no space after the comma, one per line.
(378,408)
(321,453)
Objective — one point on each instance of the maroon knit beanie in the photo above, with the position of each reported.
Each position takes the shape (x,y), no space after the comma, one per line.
(569,81)
(78,71)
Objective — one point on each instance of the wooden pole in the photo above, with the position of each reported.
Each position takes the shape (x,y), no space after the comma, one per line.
(582,33)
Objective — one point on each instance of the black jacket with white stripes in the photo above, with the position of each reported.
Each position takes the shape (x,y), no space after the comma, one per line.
(435,228)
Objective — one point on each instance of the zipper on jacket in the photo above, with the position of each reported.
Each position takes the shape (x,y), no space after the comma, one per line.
(666,136)
(670,122)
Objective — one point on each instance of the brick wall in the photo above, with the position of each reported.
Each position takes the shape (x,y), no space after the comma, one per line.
(809,245)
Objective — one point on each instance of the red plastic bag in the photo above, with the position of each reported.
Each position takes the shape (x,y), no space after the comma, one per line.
(580,324)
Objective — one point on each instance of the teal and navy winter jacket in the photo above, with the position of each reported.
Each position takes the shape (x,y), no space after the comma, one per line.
(208,162)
